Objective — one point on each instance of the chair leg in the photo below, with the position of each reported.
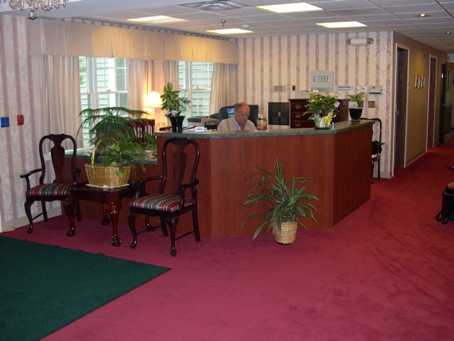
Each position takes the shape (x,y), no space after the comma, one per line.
(378,168)
(77,209)
(195,222)
(68,207)
(173,230)
(164,227)
(132,226)
(372,172)
(27,207)
(43,205)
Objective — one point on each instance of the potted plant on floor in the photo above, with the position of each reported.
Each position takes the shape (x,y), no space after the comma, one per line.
(355,105)
(322,109)
(174,105)
(287,200)
(113,135)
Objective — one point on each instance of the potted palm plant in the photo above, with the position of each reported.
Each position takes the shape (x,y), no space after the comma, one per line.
(174,105)
(355,104)
(322,109)
(286,199)
(116,150)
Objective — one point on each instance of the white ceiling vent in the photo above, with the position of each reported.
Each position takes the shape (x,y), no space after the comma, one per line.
(219,5)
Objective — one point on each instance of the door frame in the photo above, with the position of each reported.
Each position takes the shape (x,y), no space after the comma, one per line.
(400,119)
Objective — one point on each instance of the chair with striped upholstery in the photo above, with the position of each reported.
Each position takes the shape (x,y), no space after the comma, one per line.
(52,155)
(176,194)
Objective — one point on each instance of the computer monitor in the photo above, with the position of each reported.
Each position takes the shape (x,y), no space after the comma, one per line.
(278,113)
(230,111)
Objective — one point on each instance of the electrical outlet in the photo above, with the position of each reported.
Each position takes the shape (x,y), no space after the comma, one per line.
(4,122)
(371,104)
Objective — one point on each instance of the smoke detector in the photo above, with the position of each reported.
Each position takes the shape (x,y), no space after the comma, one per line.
(218,5)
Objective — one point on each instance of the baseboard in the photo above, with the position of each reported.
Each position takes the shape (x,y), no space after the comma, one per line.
(23,221)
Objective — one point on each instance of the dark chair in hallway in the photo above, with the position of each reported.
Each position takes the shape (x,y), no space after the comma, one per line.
(58,189)
(377,145)
(177,192)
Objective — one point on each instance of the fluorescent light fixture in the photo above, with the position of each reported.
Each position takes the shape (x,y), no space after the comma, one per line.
(291,8)
(230,31)
(157,19)
(341,24)
(360,41)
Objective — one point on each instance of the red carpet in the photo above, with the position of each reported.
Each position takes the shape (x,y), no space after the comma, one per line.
(386,272)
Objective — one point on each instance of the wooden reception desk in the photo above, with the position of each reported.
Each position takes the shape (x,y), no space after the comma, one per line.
(338,160)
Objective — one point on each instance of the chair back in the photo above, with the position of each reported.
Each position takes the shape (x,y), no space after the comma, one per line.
(180,160)
(53,144)
(143,128)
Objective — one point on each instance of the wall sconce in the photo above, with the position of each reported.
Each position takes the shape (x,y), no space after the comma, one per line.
(360,41)
(152,102)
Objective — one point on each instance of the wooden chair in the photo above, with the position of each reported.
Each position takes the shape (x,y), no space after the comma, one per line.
(144,129)
(60,188)
(177,192)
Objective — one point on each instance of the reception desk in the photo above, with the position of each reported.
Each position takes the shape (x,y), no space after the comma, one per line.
(339,161)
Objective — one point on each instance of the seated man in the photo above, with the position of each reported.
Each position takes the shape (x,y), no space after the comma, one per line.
(239,121)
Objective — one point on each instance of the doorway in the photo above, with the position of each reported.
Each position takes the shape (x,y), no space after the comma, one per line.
(431,106)
(400,115)
(447,71)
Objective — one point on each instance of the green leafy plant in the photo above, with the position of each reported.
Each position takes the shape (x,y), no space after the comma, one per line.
(319,106)
(172,103)
(114,136)
(356,99)
(287,199)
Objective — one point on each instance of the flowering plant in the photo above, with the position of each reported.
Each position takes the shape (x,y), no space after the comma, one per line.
(320,105)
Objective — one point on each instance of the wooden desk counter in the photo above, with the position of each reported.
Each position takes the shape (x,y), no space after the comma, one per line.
(338,160)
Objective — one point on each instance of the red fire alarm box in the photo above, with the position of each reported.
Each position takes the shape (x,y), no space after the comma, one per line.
(20,120)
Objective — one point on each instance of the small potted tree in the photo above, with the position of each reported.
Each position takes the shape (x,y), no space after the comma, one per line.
(355,105)
(112,133)
(174,105)
(287,200)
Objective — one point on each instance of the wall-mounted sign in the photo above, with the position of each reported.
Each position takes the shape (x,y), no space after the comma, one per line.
(322,81)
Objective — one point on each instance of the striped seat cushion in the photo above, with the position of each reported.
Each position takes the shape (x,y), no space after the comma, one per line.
(161,202)
(50,189)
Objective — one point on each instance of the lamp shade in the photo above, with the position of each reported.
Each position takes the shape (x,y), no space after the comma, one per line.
(153,100)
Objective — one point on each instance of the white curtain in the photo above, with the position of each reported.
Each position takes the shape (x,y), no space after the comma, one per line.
(61,94)
(145,76)
(222,86)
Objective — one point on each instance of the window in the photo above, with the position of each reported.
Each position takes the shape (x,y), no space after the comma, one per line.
(103,83)
(195,83)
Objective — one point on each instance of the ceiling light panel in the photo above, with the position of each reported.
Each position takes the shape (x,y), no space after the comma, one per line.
(341,24)
(291,8)
(230,31)
(157,19)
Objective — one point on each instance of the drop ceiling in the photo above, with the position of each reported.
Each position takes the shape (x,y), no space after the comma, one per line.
(378,15)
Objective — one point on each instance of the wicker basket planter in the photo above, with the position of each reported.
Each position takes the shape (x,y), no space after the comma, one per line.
(104,176)
(107,176)
(286,234)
